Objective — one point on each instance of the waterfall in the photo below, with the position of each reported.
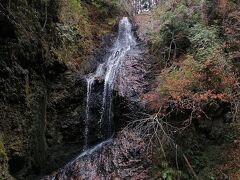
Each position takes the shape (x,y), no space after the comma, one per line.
(86,165)
(125,41)
(90,81)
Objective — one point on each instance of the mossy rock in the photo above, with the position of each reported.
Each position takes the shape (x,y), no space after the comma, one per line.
(3,161)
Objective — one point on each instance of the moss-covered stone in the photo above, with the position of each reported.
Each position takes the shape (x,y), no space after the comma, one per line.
(4,174)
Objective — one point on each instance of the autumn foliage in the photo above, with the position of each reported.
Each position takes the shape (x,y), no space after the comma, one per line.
(202,59)
(189,80)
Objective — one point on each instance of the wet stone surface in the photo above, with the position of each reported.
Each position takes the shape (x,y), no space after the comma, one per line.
(123,157)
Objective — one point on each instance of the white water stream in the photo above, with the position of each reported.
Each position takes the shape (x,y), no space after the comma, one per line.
(90,81)
(124,42)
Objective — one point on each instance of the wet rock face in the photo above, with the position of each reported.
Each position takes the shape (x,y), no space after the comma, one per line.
(121,158)
(14,112)
(41,118)
(131,81)
(41,102)
(65,118)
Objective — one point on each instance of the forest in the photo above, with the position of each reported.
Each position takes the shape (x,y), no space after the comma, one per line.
(119,89)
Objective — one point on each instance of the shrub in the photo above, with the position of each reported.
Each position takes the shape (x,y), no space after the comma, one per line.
(195,81)
(107,7)
(203,40)
(180,79)
(182,30)
(72,12)
(82,23)
(175,23)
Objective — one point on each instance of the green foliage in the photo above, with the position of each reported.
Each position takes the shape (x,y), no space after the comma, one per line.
(196,73)
(106,7)
(71,11)
(3,160)
(231,132)
(234,3)
(167,172)
(162,168)
(172,38)
(182,30)
(75,4)
(204,40)
(181,78)
(81,24)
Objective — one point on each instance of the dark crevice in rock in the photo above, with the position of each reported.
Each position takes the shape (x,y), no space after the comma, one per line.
(16,164)
(7,30)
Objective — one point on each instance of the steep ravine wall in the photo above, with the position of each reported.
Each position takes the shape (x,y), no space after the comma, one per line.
(42,90)
(42,96)
(207,139)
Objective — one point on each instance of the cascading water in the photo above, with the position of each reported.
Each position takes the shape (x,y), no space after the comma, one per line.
(89,90)
(105,160)
(124,42)
(90,81)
